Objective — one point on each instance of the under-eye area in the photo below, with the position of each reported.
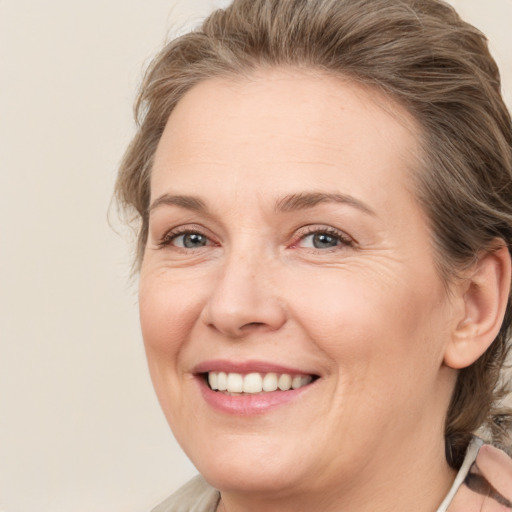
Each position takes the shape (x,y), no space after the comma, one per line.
(256,382)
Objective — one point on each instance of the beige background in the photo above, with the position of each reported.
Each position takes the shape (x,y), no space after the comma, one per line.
(80,429)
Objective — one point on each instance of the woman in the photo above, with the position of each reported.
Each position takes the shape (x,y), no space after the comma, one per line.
(325,196)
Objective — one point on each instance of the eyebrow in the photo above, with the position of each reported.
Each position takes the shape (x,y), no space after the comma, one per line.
(307,200)
(187,202)
(289,203)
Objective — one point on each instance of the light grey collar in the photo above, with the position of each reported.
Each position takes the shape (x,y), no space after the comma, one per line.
(471,454)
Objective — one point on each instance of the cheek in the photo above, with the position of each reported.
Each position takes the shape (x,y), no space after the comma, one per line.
(360,322)
(384,348)
(168,310)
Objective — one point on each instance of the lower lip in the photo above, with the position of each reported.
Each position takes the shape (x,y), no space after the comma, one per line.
(249,404)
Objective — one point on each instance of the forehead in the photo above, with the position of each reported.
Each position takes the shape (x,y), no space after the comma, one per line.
(280,127)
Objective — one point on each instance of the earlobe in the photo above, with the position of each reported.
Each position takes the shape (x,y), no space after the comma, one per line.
(485,295)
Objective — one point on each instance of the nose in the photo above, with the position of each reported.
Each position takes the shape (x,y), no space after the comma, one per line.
(245,299)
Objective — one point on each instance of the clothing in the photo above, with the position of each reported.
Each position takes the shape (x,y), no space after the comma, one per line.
(195,496)
(483,484)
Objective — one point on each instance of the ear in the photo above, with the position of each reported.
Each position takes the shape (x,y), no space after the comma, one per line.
(484,293)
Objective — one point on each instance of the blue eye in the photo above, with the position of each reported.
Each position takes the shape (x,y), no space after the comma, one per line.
(320,241)
(186,238)
(190,240)
(323,238)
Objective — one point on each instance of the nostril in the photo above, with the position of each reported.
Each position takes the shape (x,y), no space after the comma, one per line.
(241,330)
(252,326)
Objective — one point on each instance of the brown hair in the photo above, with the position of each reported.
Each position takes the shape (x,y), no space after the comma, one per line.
(421,54)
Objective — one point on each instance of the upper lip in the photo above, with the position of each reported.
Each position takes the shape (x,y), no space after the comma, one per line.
(245,367)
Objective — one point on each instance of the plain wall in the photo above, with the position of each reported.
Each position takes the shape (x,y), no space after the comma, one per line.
(80,428)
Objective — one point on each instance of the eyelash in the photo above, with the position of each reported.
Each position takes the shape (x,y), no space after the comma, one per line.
(343,239)
(173,234)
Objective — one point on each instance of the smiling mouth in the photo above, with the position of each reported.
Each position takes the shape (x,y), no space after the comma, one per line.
(254,383)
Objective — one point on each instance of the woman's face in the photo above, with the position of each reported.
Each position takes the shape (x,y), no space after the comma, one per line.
(286,248)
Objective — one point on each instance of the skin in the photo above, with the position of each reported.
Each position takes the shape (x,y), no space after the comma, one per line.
(370,316)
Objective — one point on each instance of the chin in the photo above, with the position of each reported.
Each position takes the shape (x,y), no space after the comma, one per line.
(244,477)
(239,467)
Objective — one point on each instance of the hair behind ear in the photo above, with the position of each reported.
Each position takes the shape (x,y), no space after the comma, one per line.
(480,379)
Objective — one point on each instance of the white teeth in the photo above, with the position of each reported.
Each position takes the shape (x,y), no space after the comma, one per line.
(299,382)
(285,382)
(222,381)
(256,382)
(270,382)
(253,383)
(213,379)
(296,382)
(305,380)
(235,383)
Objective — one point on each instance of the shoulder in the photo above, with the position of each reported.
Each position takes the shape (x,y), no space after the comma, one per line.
(488,484)
(195,496)
(494,467)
